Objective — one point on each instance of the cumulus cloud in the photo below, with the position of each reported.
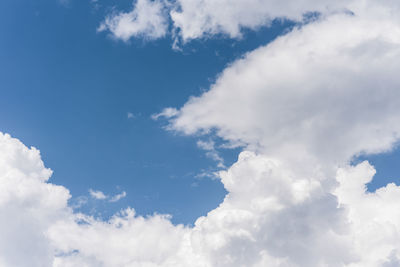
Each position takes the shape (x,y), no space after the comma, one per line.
(326,91)
(271,216)
(28,206)
(302,106)
(147,19)
(38,228)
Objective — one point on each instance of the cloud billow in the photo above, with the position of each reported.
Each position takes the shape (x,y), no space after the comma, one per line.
(302,107)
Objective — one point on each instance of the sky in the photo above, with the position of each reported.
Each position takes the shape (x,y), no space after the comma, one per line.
(199,133)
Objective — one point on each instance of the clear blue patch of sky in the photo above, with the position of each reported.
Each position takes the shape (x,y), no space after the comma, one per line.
(387,167)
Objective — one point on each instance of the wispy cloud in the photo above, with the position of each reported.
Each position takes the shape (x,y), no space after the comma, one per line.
(118,197)
(130,115)
(211,152)
(99,195)
(166,113)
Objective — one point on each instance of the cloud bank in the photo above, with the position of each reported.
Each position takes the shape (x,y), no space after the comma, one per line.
(301,107)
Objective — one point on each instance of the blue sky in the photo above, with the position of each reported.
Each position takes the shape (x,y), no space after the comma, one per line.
(67,90)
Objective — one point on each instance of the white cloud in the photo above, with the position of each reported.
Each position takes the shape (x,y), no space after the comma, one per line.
(97,194)
(303,106)
(374,217)
(118,197)
(205,18)
(147,19)
(324,92)
(124,240)
(101,196)
(28,205)
(212,153)
(196,19)
(166,113)
(272,216)
(40,229)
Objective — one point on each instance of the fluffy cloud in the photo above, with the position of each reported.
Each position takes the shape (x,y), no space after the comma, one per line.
(307,103)
(323,92)
(271,216)
(38,228)
(301,106)
(28,205)
(147,19)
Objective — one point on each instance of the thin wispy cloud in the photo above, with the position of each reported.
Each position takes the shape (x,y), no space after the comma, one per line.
(99,195)
(211,152)
(118,197)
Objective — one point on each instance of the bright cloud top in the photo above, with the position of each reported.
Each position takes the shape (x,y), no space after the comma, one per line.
(301,106)
(147,19)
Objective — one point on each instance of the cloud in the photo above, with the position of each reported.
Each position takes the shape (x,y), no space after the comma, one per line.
(101,196)
(97,194)
(124,240)
(271,216)
(166,113)
(373,217)
(303,106)
(197,19)
(191,20)
(118,197)
(40,229)
(28,205)
(324,92)
(147,20)
(212,153)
